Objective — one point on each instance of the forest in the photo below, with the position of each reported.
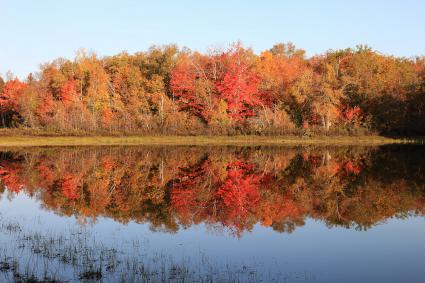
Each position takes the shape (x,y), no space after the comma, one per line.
(168,90)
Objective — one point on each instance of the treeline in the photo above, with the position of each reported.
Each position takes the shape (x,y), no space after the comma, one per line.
(223,187)
(167,90)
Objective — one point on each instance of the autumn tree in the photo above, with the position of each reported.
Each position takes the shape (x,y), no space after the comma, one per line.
(218,88)
(193,86)
(278,70)
(95,87)
(11,94)
(238,86)
(380,85)
(329,91)
(130,102)
(416,101)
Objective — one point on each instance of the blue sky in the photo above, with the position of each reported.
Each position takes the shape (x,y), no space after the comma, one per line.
(34,32)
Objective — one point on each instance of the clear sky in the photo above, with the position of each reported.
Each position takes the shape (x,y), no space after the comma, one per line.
(34,32)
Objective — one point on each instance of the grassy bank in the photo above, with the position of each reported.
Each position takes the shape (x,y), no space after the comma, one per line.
(27,141)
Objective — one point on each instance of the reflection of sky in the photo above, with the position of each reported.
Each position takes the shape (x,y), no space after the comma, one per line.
(389,252)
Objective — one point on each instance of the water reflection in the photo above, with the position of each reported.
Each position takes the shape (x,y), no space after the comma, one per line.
(226,188)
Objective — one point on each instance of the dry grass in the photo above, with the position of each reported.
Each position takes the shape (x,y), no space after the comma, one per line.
(29,141)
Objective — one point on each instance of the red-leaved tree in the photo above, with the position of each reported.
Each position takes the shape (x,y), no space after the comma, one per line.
(9,101)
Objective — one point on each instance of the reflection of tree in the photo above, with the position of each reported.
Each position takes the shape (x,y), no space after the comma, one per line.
(9,173)
(238,195)
(232,188)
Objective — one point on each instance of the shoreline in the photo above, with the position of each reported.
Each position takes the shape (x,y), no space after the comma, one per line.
(34,141)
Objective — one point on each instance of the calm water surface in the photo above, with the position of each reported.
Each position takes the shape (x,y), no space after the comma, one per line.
(220,214)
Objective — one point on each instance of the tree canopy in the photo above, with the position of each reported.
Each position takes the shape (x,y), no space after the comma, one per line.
(169,90)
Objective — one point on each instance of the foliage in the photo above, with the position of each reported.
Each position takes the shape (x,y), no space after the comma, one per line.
(167,90)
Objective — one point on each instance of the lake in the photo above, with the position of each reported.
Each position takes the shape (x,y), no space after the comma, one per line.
(213,214)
